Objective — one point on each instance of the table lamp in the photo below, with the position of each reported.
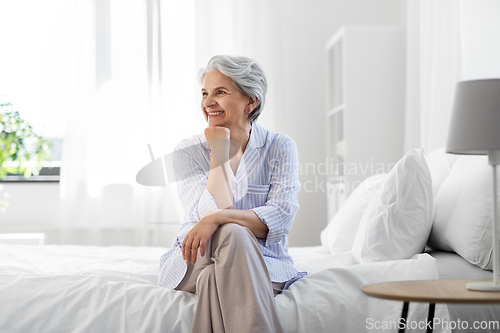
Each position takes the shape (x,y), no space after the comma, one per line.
(475,130)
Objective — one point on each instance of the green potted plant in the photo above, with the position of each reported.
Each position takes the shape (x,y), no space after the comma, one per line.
(22,151)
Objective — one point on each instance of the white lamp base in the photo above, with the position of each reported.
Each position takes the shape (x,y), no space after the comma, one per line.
(483,286)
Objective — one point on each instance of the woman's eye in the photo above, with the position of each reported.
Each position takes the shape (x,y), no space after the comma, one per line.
(220,92)
(204,94)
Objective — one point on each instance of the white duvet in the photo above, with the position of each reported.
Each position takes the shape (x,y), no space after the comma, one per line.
(70,288)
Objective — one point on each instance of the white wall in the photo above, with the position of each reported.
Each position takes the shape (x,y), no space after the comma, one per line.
(307,26)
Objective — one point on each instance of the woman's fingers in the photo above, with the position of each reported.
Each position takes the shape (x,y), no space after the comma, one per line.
(217,132)
(190,247)
(183,246)
(203,243)
(194,250)
(197,238)
(186,249)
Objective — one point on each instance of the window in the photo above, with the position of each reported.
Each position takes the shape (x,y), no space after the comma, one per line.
(37,68)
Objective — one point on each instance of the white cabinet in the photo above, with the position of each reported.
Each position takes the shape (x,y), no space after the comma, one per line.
(365,106)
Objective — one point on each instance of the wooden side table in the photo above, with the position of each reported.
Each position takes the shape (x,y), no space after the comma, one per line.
(429,291)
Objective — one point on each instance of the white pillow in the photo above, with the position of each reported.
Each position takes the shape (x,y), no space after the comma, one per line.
(339,234)
(464,211)
(398,220)
(440,164)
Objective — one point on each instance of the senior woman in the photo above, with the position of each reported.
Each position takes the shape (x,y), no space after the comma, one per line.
(232,248)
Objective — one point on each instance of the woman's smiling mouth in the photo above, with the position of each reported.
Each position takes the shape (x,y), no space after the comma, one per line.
(215,113)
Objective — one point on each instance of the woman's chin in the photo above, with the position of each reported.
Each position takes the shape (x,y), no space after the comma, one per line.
(215,122)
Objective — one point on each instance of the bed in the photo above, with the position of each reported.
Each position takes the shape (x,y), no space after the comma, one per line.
(72,288)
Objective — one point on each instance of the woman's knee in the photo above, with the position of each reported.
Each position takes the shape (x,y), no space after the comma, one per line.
(204,278)
(231,237)
(234,229)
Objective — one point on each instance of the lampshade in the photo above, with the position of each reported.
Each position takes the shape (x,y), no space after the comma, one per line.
(475,122)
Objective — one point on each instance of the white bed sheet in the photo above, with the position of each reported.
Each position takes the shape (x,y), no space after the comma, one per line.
(71,288)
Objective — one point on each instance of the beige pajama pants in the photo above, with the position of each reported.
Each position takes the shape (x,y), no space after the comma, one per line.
(235,293)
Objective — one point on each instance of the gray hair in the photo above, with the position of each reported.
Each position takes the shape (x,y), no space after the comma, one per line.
(246,74)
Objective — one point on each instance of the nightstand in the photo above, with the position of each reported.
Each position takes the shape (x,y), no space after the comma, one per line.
(429,291)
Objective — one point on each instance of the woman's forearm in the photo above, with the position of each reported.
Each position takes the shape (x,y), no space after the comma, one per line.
(218,181)
(247,218)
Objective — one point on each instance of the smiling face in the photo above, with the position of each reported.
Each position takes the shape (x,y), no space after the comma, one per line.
(222,103)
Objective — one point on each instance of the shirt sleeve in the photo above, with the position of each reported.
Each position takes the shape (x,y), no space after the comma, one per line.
(191,179)
(281,205)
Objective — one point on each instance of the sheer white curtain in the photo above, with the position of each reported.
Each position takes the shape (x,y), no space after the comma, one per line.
(480,28)
(136,84)
(126,54)
(434,65)
(448,41)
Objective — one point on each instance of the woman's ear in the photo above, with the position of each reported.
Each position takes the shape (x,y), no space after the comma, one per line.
(252,104)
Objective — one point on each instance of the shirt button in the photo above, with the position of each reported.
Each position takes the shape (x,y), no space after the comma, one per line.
(234,191)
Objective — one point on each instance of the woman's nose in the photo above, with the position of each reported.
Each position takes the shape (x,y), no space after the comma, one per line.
(209,101)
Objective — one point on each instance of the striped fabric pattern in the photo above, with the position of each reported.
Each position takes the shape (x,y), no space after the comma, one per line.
(266,181)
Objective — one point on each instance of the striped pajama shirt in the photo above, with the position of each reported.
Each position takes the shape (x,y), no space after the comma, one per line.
(266,182)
